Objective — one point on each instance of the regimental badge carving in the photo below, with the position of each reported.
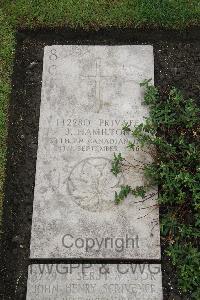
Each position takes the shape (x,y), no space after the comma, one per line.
(92,185)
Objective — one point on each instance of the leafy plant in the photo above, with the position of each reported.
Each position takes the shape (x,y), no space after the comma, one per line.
(116,164)
(173,129)
(186,259)
(139,191)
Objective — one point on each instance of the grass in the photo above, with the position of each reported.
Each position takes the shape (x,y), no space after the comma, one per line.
(98,13)
(32,14)
(6,55)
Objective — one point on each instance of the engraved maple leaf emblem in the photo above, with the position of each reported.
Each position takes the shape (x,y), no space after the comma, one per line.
(92,184)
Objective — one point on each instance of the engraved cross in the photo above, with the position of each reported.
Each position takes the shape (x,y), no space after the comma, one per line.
(97,78)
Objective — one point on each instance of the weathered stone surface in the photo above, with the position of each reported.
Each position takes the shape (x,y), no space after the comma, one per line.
(88,92)
(95,282)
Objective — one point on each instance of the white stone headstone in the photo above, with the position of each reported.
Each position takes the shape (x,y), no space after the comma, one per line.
(95,282)
(88,93)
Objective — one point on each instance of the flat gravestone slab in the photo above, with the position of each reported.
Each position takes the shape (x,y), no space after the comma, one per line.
(94,282)
(88,92)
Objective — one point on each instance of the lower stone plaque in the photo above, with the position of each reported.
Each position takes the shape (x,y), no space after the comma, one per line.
(94,282)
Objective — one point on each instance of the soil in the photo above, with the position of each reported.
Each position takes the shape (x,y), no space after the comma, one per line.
(177,63)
